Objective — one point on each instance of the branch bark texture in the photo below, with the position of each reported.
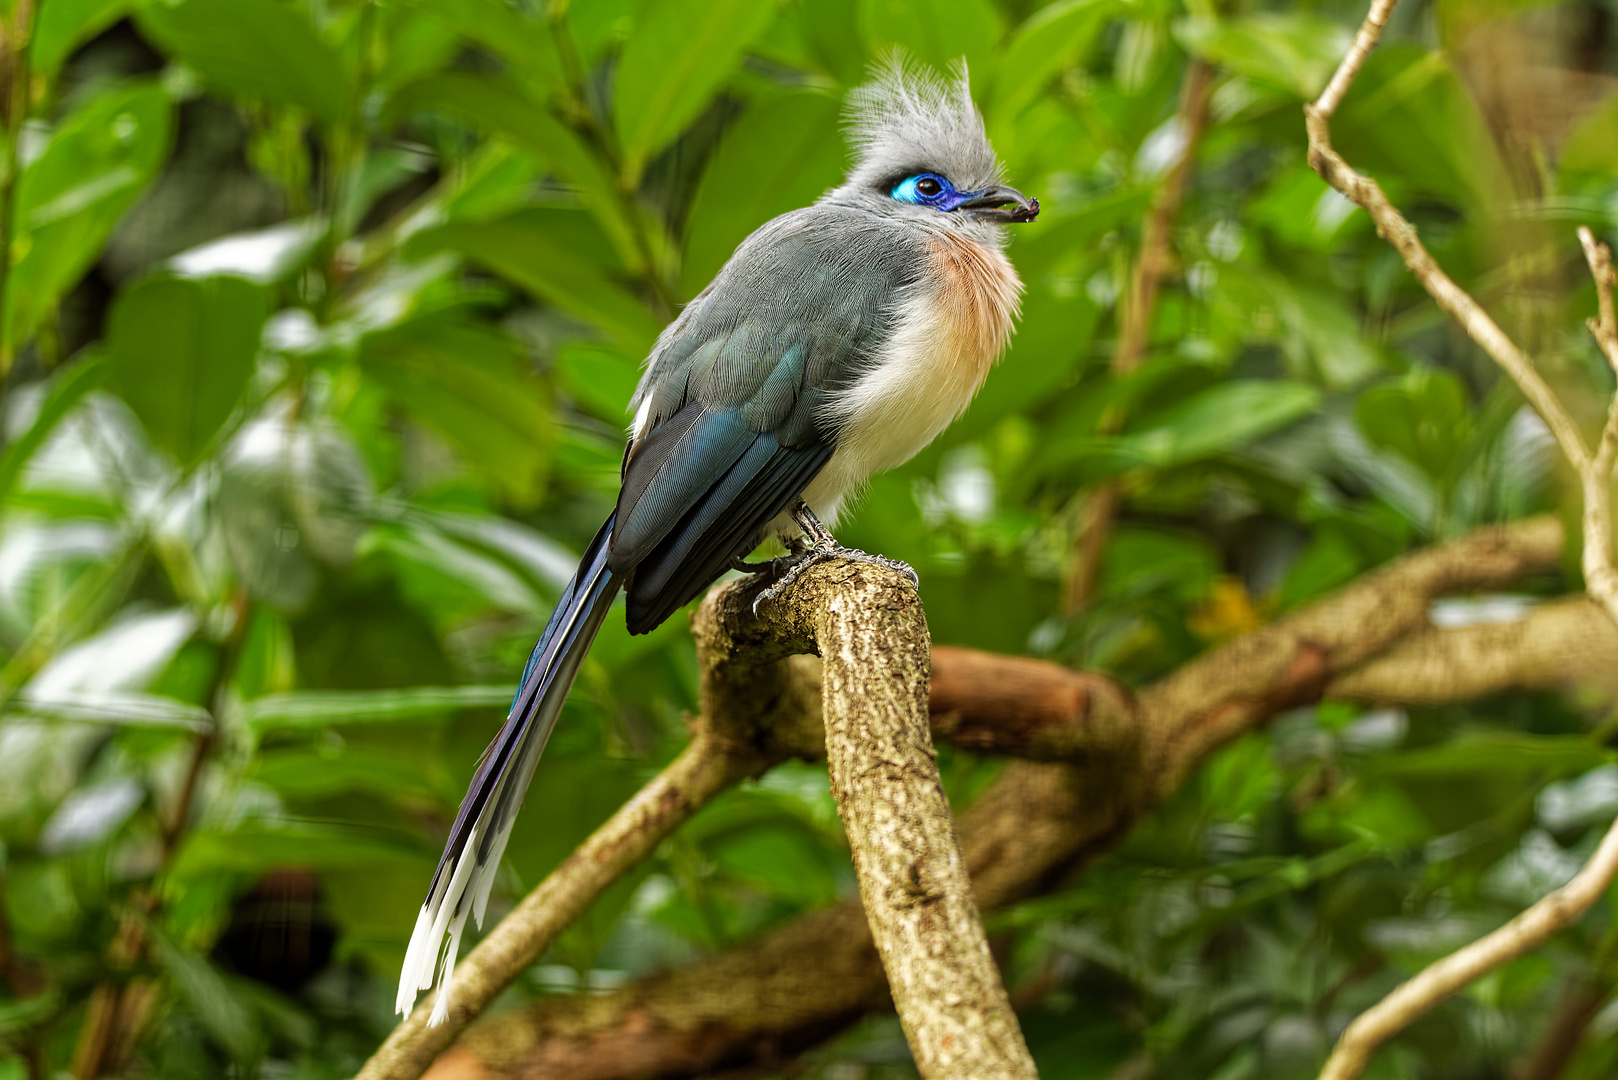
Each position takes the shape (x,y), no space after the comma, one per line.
(755,714)
(871,719)
(1098,759)
(868,626)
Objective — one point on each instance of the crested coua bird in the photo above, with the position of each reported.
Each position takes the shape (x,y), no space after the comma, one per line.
(838,341)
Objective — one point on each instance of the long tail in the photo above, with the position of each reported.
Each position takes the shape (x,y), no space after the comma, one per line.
(467,869)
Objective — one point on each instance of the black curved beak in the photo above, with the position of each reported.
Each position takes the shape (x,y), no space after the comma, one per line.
(1000,204)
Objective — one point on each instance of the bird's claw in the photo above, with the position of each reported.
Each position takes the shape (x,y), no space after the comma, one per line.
(822,553)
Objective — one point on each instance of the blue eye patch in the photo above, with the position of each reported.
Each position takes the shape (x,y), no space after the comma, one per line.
(927,189)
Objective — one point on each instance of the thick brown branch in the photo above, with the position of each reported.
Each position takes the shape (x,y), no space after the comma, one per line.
(792,986)
(1567,642)
(758,709)
(868,626)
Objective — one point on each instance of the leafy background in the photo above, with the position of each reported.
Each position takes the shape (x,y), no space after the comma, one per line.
(318,323)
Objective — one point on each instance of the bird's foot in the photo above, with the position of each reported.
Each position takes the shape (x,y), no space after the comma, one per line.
(823,547)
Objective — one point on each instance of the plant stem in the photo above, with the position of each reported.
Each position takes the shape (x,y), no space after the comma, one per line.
(1135,326)
(18,38)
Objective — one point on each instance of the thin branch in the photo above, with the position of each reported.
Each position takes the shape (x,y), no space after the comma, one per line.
(1456,971)
(1596,478)
(17,50)
(1135,324)
(1354,59)
(119,1010)
(722,751)
(1447,976)
(1604,326)
(1396,230)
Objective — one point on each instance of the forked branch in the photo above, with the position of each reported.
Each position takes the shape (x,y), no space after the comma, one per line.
(1594,470)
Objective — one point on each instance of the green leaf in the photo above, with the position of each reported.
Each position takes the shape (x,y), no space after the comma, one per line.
(1593,143)
(498,105)
(469,384)
(780,156)
(324,771)
(1294,50)
(320,708)
(1051,38)
(62,25)
(1326,563)
(263,845)
(523,42)
(67,388)
(830,30)
(19,1014)
(1053,339)
(478,579)
(598,25)
(290,494)
(265,256)
(97,162)
(125,708)
(1080,230)
(180,352)
(525,250)
(680,54)
(1494,752)
(211,1000)
(937,32)
(1221,418)
(1424,417)
(603,379)
(1318,332)
(257,49)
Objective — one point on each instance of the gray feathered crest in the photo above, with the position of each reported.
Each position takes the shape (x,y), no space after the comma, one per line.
(907,120)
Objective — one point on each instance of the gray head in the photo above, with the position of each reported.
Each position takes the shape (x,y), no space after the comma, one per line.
(921,155)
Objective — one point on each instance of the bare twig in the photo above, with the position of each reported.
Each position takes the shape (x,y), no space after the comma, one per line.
(1135,322)
(1439,980)
(1447,976)
(719,755)
(14,63)
(1596,479)
(1354,59)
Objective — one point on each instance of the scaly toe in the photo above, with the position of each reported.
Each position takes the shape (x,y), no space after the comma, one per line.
(855,555)
(790,568)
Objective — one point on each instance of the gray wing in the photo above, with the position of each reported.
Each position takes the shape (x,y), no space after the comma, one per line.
(736,393)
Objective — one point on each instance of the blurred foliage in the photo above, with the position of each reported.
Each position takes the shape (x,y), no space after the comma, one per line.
(318,324)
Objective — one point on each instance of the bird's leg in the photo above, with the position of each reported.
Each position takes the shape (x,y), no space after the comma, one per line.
(823,546)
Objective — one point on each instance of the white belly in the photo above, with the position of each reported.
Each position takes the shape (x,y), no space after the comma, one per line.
(946,338)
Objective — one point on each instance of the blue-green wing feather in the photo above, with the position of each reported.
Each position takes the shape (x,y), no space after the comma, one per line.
(736,397)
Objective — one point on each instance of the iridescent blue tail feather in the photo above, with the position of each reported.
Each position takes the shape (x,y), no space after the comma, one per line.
(466,871)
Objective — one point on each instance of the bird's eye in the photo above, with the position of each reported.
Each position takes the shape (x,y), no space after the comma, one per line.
(924,189)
